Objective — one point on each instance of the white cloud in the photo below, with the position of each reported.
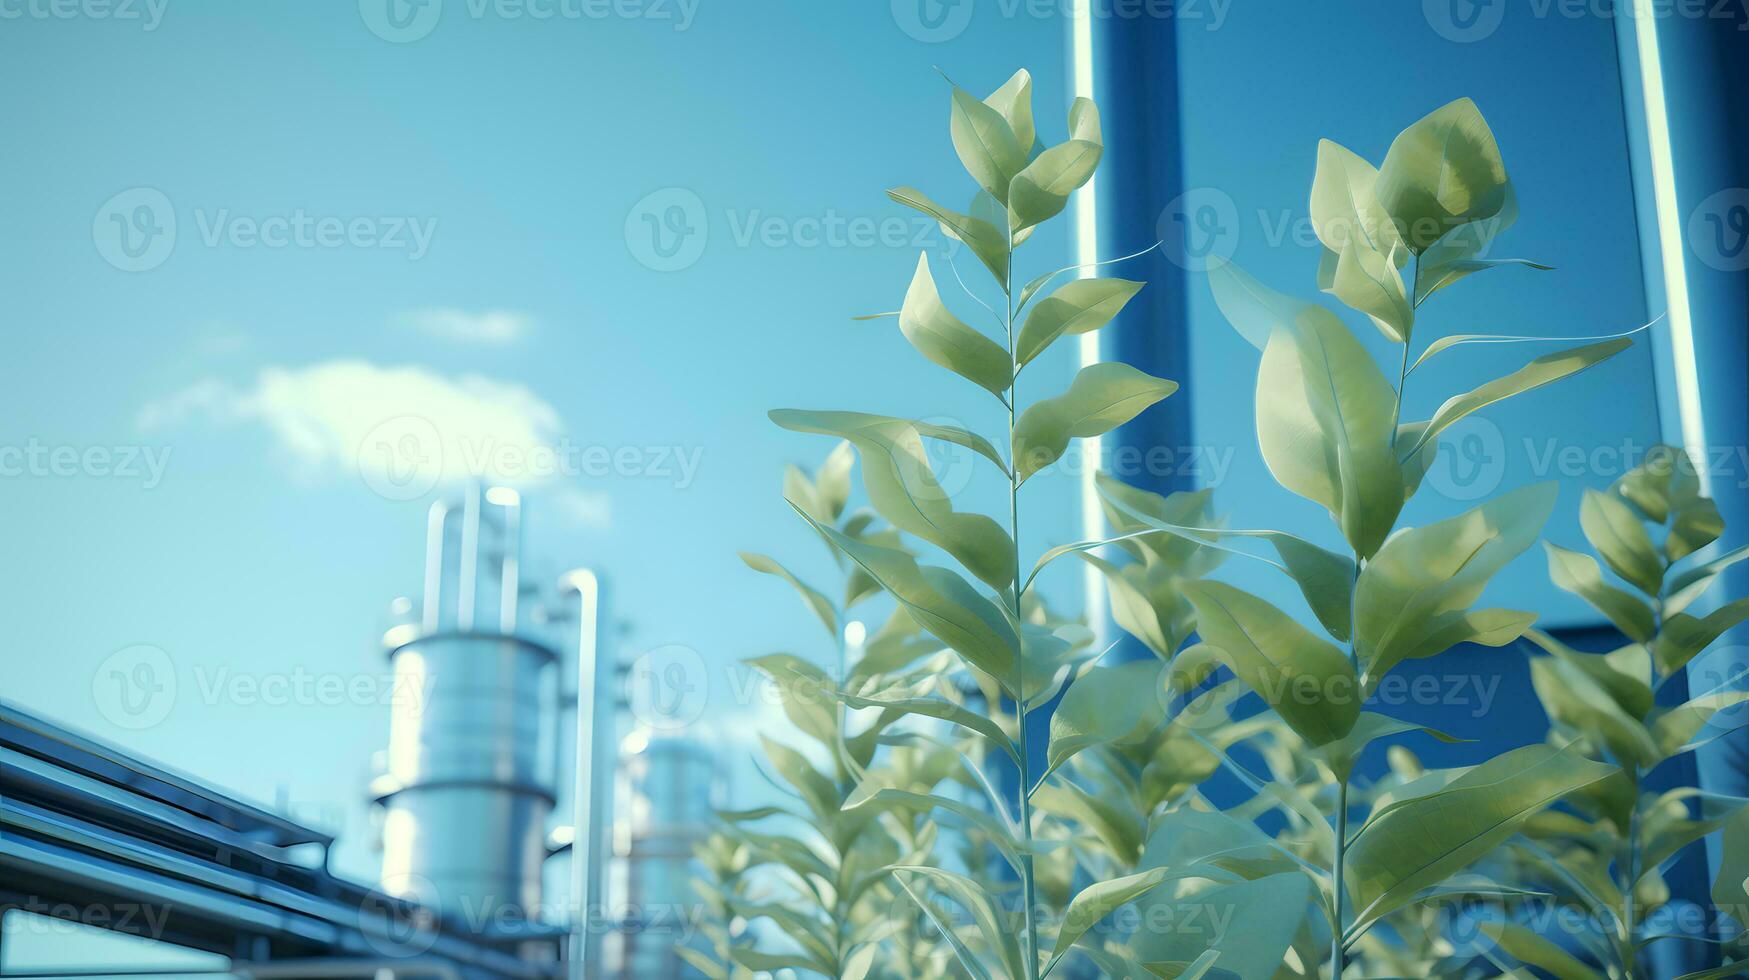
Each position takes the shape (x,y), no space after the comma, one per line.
(403,431)
(488,327)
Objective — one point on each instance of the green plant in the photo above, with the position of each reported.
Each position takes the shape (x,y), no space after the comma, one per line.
(825,886)
(1116,815)
(1604,857)
(1016,653)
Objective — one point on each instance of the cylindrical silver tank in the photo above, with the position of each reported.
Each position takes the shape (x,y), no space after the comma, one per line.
(465,785)
(466,801)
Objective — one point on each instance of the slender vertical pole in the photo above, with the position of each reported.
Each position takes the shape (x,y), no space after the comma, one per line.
(510,584)
(470,569)
(584,832)
(436,524)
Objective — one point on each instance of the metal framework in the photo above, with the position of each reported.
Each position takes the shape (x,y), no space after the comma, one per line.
(86,828)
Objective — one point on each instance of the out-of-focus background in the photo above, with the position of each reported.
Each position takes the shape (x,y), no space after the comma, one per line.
(277,278)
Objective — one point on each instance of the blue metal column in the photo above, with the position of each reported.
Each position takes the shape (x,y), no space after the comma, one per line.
(1135,66)
(1706,87)
(1687,70)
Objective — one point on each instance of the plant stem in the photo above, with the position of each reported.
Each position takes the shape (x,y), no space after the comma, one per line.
(1633,877)
(1336,954)
(1027,878)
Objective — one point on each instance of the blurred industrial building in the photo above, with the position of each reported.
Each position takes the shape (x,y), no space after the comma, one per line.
(522,737)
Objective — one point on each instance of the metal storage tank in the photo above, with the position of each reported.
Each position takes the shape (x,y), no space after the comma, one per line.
(467,783)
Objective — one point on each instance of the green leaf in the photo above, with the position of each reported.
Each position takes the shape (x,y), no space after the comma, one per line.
(1101,398)
(1186,552)
(1617,534)
(815,599)
(1345,208)
(1418,842)
(901,485)
(1544,370)
(1120,705)
(1469,339)
(1681,592)
(1684,637)
(986,242)
(1341,754)
(941,602)
(753,959)
(701,961)
(1573,697)
(1143,606)
(806,693)
(1698,523)
(1213,845)
(860,962)
(882,798)
(1416,592)
(1579,574)
(1674,729)
(1625,676)
(1325,578)
(1324,423)
(1307,680)
(987,147)
(1254,310)
(1097,901)
(992,925)
(1112,819)
(816,790)
(1259,922)
(1368,282)
(1014,101)
(1533,950)
(968,960)
(1442,172)
(1041,191)
(937,708)
(1075,308)
(1201,968)
(943,338)
(1433,278)
(1663,482)
(1731,883)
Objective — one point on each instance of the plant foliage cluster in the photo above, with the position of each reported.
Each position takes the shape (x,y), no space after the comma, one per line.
(924,834)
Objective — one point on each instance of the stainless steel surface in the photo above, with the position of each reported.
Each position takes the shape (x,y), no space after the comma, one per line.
(84,826)
(586,847)
(466,785)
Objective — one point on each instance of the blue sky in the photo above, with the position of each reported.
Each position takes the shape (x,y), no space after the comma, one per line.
(457,226)
(241,537)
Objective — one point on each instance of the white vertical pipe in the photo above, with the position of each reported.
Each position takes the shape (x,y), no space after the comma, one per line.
(1086,253)
(1670,245)
(584,831)
(470,568)
(436,522)
(509,582)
